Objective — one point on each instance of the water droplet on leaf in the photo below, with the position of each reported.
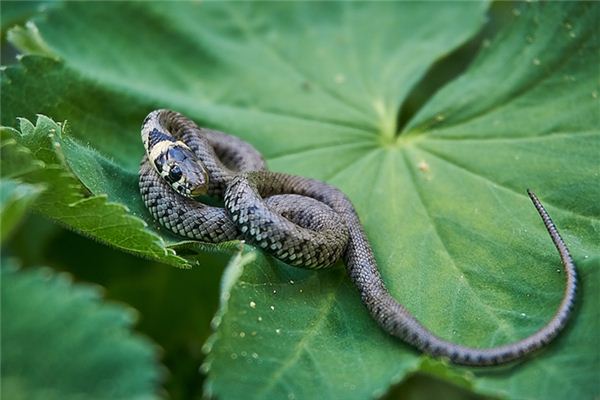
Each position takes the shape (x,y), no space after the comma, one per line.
(340,78)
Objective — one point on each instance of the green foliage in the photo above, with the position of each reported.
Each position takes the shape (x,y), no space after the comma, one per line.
(175,305)
(317,89)
(15,198)
(35,154)
(48,324)
(289,327)
(59,341)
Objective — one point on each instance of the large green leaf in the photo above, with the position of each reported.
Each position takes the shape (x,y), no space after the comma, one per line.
(317,88)
(60,342)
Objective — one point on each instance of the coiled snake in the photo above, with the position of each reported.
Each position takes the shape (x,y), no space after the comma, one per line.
(301,221)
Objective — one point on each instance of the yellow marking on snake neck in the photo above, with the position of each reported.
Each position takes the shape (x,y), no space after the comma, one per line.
(159,148)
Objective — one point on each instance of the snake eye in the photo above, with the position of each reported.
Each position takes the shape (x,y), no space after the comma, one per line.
(175,173)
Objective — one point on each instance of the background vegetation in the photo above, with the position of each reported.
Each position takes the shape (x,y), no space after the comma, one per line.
(432,117)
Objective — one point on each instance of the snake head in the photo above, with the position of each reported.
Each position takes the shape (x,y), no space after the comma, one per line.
(182,170)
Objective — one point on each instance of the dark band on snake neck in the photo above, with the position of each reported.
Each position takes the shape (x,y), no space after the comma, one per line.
(306,223)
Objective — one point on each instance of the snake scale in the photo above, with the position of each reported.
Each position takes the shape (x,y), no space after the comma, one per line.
(301,221)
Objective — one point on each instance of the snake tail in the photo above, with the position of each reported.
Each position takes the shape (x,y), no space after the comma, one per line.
(397,320)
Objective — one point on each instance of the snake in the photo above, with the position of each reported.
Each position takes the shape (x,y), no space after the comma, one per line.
(301,221)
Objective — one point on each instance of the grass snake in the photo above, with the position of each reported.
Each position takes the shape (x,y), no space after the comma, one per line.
(301,221)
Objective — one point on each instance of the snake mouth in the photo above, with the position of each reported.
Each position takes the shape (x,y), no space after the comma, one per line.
(199,190)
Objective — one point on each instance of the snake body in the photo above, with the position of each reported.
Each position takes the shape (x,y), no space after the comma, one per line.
(301,221)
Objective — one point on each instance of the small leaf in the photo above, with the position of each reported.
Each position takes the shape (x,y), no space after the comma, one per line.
(59,341)
(28,39)
(65,198)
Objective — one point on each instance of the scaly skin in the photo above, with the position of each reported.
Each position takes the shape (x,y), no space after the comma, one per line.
(309,224)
